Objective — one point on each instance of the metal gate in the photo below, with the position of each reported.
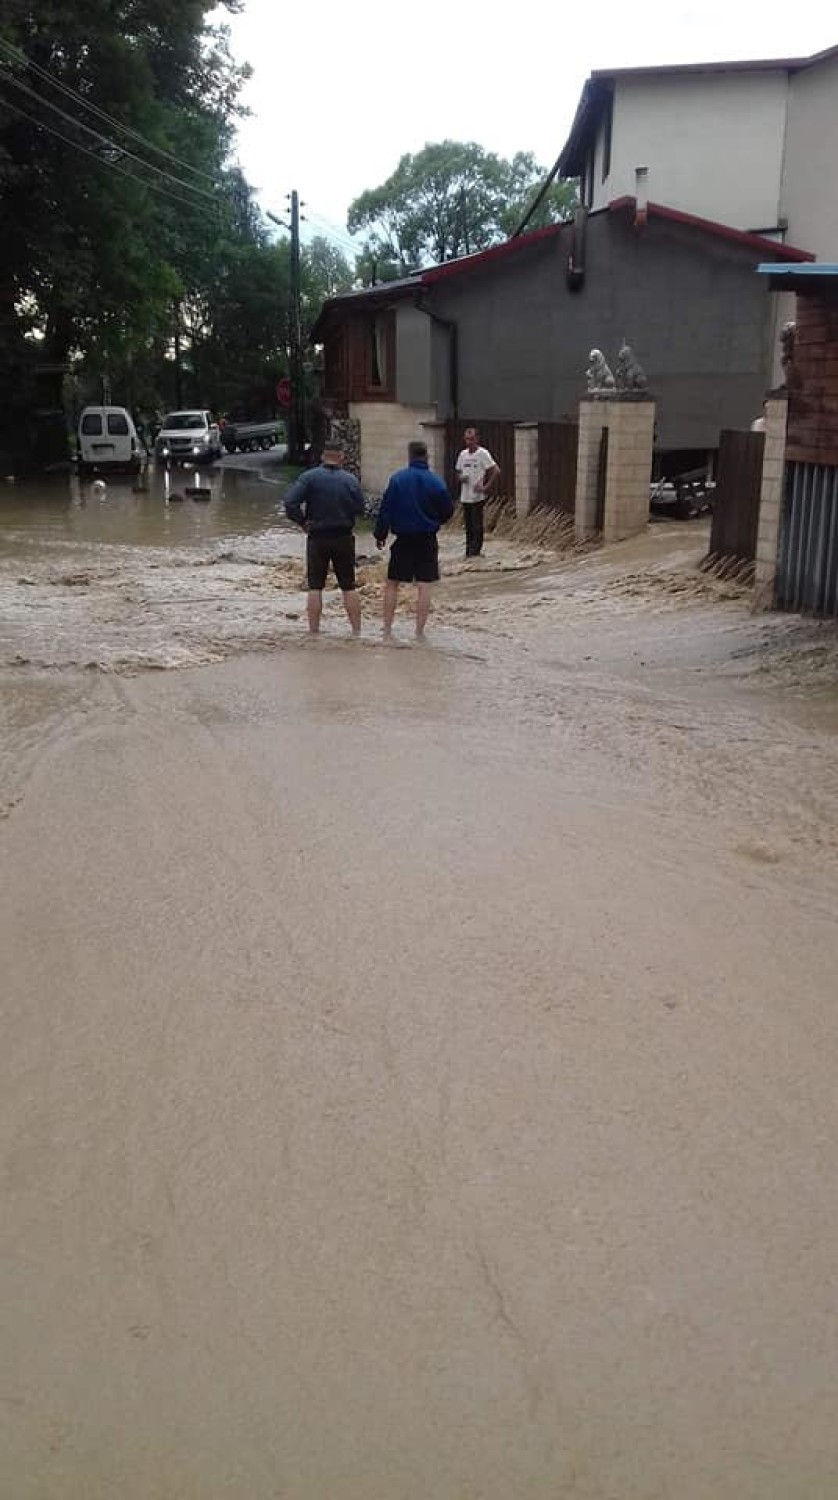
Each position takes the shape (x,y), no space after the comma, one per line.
(737,495)
(558,451)
(807,562)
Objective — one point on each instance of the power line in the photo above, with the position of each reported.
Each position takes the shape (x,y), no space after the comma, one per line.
(153,187)
(332,231)
(94,109)
(102,139)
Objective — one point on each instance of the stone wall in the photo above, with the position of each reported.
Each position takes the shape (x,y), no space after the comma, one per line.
(347,431)
(593,418)
(771,502)
(630,437)
(625,503)
(386,428)
(526,467)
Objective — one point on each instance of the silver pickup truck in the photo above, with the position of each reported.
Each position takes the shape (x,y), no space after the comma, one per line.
(188,437)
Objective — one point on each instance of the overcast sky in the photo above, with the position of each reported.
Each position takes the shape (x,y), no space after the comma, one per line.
(340,90)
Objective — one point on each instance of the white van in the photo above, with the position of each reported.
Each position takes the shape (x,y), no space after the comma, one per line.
(108,440)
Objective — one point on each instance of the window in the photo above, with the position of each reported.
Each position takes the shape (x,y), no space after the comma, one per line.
(377,353)
(607,131)
(377,347)
(117,424)
(91,425)
(184,421)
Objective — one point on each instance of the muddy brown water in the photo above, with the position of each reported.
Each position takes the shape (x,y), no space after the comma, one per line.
(418,1076)
(155,512)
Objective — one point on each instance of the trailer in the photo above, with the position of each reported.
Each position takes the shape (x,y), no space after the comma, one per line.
(248,437)
(683,495)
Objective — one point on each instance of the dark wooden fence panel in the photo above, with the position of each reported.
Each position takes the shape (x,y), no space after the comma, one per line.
(601,479)
(736,498)
(558,452)
(498,437)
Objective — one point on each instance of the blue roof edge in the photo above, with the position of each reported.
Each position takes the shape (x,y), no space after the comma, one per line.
(797,268)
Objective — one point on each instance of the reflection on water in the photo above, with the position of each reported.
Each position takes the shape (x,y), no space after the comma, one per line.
(141,572)
(152,511)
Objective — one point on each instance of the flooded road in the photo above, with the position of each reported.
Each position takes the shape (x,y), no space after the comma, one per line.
(419,1066)
(122,578)
(154,510)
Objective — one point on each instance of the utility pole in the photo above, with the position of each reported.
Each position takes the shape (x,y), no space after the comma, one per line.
(296,415)
(297,435)
(178,377)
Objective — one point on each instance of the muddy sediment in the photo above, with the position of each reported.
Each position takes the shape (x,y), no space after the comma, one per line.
(418,1069)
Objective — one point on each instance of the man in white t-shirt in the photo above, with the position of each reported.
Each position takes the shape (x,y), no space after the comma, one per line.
(477,473)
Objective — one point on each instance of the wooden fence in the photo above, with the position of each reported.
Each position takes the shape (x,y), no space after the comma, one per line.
(736,499)
(558,449)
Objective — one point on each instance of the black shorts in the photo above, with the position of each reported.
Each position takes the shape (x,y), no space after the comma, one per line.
(414,558)
(335,549)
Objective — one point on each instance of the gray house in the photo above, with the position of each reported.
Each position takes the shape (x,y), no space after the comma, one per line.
(505,334)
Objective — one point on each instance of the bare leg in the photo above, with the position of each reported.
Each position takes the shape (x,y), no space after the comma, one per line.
(315,610)
(423,607)
(352,605)
(391,594)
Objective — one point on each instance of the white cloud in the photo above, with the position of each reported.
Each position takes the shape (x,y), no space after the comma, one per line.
(341,91)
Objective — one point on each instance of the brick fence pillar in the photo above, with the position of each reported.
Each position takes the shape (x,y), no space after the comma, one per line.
(526,467)
(593,417)
(434,435)
(770,501)
(631,430)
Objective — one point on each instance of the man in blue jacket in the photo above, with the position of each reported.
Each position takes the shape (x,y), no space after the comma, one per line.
(416,503)
(326,502)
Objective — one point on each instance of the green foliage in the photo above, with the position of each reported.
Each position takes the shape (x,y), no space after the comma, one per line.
(324,272)
(374,265)
(106,251)
(450,199)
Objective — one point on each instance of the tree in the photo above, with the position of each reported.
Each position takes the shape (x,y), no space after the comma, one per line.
(451,199)
(374,265)
(324,273)
(118,211)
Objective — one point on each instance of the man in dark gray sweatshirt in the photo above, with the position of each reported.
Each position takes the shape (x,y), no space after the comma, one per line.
(326,502)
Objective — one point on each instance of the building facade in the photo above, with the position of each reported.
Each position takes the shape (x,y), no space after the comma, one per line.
(750,144)
(506,335)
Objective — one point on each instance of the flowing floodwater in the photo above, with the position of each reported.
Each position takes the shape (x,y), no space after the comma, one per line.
(418,1067)
(136,574)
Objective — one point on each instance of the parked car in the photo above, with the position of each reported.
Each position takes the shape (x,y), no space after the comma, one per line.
(188,437)
(108,439)
(246,437)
